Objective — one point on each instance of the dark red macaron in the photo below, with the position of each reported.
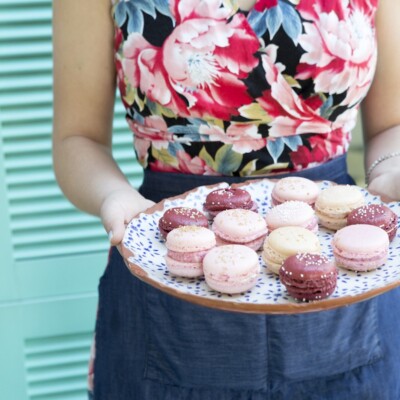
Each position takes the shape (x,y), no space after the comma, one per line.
(228,199)
(309,276)
(181,216)
(375,214)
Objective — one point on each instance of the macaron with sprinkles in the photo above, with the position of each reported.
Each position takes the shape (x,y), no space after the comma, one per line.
(176,217)
(292,213)
(309,277)
(377,215)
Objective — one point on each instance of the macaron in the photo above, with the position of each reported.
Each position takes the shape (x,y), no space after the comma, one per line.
(292,213)
(294,188)
(227,199)
(240,227)
(377,215)
(186,248)
(287,241)
(335,203)
(360,247)
(231,268)
(180,216)
(309,276)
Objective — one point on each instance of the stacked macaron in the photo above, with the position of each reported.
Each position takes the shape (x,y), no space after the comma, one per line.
(176,217)
(228,199)
(287,241)
(294,188)
(335,203)
(360,247)
(375,214)
(309,276)
(186,248)
(240,226)
(292,213)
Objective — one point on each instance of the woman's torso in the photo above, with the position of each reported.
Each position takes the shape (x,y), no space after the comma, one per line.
(211,89)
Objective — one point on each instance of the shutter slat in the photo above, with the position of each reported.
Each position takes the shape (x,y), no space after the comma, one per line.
(60,249)
(17,66)
(18,32)
(22,50)
(27,99)
(36,223)
(25,14)
(50,236)
(26,82)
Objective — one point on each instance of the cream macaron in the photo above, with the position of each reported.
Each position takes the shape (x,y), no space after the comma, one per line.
(287,241)
(334,204)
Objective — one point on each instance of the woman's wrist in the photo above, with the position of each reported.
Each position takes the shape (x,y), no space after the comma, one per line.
(382,164)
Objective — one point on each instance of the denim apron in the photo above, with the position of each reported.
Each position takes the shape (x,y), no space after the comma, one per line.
(151,346)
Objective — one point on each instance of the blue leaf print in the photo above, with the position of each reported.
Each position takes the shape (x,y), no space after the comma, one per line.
(293,142)
(138,117)
(292,22)
(120,13)
(257,22)
(162,7)
(196,121)
(146,6)
(174,147)
(274,20)
(188,132)
(275,148)
(326,107)
(136,22)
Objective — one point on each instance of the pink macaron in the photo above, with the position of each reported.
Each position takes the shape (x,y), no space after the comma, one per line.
(240,227)
(294,188)
(375,214)
(360,247)
(186,248)
(292,213)
(231,268)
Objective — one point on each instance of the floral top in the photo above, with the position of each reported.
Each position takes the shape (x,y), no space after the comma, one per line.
(211,89)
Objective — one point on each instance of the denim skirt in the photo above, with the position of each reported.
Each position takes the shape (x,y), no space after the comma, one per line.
(151,346)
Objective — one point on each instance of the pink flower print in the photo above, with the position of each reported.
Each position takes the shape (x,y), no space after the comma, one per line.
(154,131)
(185,165)
(262,5)
(340,53)
(243,137)
(292,115)
(194,73)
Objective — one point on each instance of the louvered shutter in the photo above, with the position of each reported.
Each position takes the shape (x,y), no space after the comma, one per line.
(51,254)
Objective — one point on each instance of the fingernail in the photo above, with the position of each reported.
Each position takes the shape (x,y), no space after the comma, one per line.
(110,235)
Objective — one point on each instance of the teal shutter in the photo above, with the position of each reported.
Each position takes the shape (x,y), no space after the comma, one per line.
(51,254)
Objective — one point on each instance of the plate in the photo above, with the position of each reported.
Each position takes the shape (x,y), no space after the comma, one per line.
(143,250)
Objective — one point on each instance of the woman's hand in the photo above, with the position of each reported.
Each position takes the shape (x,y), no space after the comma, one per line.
(387,184)
(118,209)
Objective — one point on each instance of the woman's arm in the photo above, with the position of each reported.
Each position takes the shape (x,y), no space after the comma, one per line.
(84,87)
(381,108)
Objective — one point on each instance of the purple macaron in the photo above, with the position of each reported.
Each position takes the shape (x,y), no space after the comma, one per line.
(308,276)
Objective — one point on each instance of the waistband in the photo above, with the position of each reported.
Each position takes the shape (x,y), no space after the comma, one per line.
(158,185)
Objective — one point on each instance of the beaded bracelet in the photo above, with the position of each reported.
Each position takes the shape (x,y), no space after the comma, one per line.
(377,162)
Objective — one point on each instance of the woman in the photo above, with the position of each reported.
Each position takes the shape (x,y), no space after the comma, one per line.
(224,90)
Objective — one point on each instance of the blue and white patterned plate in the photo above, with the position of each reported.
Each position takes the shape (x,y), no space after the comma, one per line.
(144,251)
